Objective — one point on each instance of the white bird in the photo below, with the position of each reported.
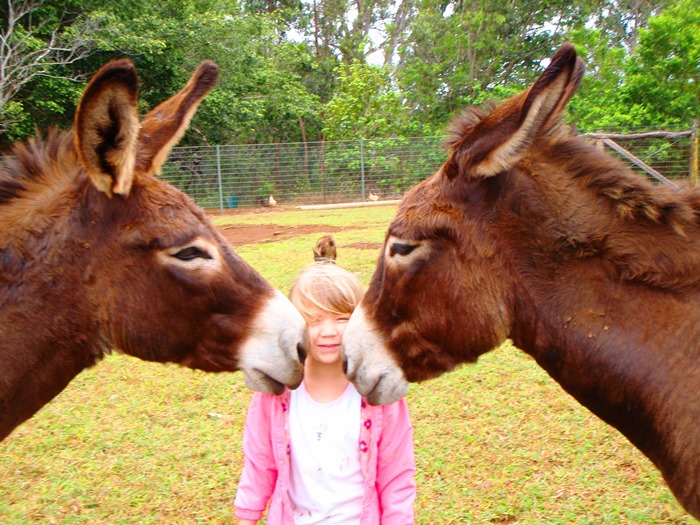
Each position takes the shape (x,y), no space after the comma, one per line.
(272,201)
(372,196)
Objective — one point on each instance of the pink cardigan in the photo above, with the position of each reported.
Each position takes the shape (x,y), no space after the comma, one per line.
(386,455)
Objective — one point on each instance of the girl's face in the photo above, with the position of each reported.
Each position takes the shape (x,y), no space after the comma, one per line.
(326,335)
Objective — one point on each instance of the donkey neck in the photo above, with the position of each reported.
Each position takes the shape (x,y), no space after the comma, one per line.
(600,349)
(42,277)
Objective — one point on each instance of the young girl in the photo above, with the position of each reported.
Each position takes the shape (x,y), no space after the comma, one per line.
(320,454)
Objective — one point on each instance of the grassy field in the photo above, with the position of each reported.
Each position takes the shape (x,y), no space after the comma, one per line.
(498,442)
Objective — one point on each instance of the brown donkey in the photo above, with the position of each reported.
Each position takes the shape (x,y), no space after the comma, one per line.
(97,254)
(529,233)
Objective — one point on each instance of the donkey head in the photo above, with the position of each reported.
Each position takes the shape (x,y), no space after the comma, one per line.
(165,285)
(442,292)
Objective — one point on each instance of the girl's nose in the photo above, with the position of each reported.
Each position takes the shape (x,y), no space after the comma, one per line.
(328,329)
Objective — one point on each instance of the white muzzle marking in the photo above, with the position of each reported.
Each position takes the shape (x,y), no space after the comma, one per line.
(270,356)
(370,366)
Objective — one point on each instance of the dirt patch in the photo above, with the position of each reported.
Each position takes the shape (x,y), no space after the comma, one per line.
(365,245)
(240,234)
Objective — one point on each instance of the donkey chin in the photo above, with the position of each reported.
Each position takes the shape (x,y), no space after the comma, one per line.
(368,363)
(272,357)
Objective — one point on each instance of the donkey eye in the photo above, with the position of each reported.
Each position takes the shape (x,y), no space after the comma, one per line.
(190,253)
(398,248)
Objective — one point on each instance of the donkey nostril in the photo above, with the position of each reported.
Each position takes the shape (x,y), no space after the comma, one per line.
(301,350)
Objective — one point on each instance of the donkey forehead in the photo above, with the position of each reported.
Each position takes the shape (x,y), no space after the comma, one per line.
(428,211)
(154,208)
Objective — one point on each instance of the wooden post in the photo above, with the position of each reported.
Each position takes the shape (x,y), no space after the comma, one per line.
(639,163)
(694,154)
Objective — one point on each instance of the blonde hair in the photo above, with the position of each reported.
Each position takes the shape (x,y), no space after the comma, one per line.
(325,286)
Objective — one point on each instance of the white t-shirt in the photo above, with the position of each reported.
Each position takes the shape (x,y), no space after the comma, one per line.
(326,482)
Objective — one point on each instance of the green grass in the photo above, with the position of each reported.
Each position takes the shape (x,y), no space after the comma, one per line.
(498,442)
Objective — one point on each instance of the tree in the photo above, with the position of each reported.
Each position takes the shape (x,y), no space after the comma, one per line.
(346,30)
(597,105)
(663,84)
(655,83)
(460,51)
(39,41)
(261,95)
(365,105)
(621,20)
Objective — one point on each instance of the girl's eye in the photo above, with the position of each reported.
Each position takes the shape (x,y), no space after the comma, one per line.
(190,253)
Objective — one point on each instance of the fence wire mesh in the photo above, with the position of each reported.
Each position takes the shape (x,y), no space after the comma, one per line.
(233,176)
(665,156)
(302,173)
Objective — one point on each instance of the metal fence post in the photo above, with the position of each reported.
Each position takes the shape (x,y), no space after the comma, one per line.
(218,176)
(362,168)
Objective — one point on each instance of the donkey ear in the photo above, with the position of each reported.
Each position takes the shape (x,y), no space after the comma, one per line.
(107,127)
(164,126)
(569,91)
(500,139)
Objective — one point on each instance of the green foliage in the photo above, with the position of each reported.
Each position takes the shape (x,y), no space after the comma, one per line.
(365,105)
(663,86)
(294,71)
(597,105)
(457,52)
(17,119)
(259,97)
(620,21)
(41,45)
(657,85)
(57,109)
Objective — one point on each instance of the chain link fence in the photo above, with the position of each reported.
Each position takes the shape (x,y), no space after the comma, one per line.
(667,157)
(233,176)
(224,177)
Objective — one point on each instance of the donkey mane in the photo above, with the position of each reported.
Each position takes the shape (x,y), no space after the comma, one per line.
(633,197)
(463,124)
(646,231)
(31,178)
(632,222)
(28,162)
